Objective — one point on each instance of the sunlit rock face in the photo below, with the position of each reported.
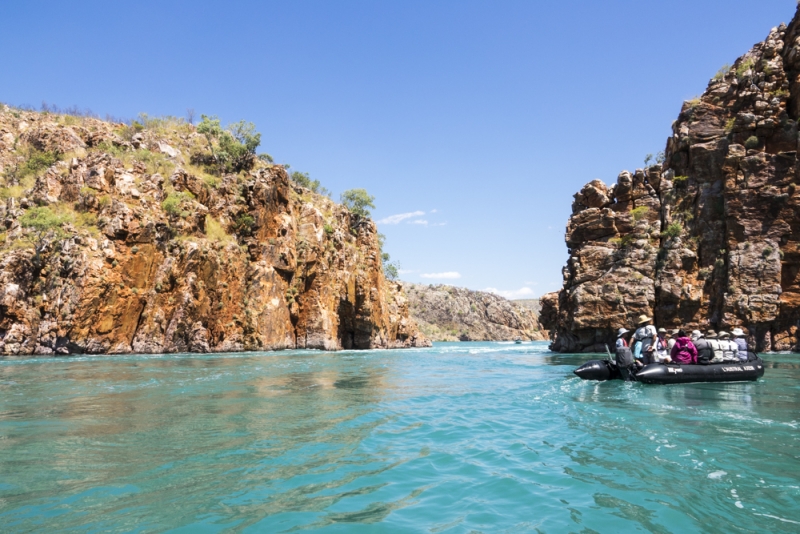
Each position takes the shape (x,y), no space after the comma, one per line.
(154,255)
(711,237)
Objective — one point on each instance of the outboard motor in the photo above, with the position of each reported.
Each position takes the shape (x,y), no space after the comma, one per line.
(594,370)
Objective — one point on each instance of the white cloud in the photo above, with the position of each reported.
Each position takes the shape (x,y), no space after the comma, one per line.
(407,271)
(521,293)
(448,275)
(434,211)
(419,221)
(397,219)
(439,224)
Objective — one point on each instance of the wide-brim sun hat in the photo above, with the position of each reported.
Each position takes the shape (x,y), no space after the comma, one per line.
(723,333)
(662,330)
(622,331)
(737,332)
(711,333)
(696,334)
(644,319)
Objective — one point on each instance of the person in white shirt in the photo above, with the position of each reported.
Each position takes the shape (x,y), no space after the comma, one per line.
(671,341)
(661,353)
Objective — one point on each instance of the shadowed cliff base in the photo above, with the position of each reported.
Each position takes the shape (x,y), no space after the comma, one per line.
(155,237)
(711,237)
(447,313)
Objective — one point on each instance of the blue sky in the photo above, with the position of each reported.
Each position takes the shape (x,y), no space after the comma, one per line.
(481,119)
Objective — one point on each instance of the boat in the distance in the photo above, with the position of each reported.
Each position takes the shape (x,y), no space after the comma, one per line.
(661,373)
(518,340)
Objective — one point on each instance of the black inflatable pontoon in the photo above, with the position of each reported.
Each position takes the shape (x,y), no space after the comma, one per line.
(659,373)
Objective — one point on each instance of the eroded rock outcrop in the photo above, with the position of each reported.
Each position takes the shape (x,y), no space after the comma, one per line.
(709,239)
(140,251)
(447,313)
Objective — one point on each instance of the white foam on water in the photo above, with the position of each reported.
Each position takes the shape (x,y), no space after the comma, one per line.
(717,475)
(780,519)
(739,504)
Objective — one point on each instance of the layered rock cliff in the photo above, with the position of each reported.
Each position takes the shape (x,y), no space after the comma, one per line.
(447,313)
(118,239)
(708,239)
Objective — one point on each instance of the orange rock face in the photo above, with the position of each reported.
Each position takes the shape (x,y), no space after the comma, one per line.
(709,239)
(154,256)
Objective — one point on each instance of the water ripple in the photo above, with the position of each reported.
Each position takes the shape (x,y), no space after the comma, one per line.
(483,437)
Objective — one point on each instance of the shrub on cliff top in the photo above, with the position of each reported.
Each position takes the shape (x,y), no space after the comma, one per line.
(743,67)
(357,201)
(302,178)
(235,148)
(725,69)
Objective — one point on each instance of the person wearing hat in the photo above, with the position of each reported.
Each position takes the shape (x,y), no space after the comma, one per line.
(662,351)
(624,356)
(741,343)
(705,352)
(646,335)
(730,351)
(622,337)
(713,341)
(671,341)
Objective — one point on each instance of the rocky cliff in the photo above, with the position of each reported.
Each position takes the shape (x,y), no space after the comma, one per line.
(447,313)
(708,239)
(121,238)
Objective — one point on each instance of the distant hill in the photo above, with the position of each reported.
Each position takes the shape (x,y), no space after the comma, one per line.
(447,313)
(531,304)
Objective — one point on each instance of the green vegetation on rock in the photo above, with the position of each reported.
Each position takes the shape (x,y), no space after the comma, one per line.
(357,201)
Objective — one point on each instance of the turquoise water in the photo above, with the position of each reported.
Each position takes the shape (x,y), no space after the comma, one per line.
(464,437)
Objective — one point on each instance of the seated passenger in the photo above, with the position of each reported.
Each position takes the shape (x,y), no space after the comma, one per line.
(661,354)
(730,351)
(741,343)
(684,351)
(705,352)
(713,340)
(672,335)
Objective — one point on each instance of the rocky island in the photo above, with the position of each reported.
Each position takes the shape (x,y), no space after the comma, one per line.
(710,238)
(447,313)
(159,236)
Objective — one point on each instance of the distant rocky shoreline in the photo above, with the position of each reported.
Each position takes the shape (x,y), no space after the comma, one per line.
(710,238)
(448,313)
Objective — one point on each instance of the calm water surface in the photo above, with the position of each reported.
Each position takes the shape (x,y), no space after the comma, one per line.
(464,437)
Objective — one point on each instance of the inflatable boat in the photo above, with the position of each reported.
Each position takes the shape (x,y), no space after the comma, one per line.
(659,373)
